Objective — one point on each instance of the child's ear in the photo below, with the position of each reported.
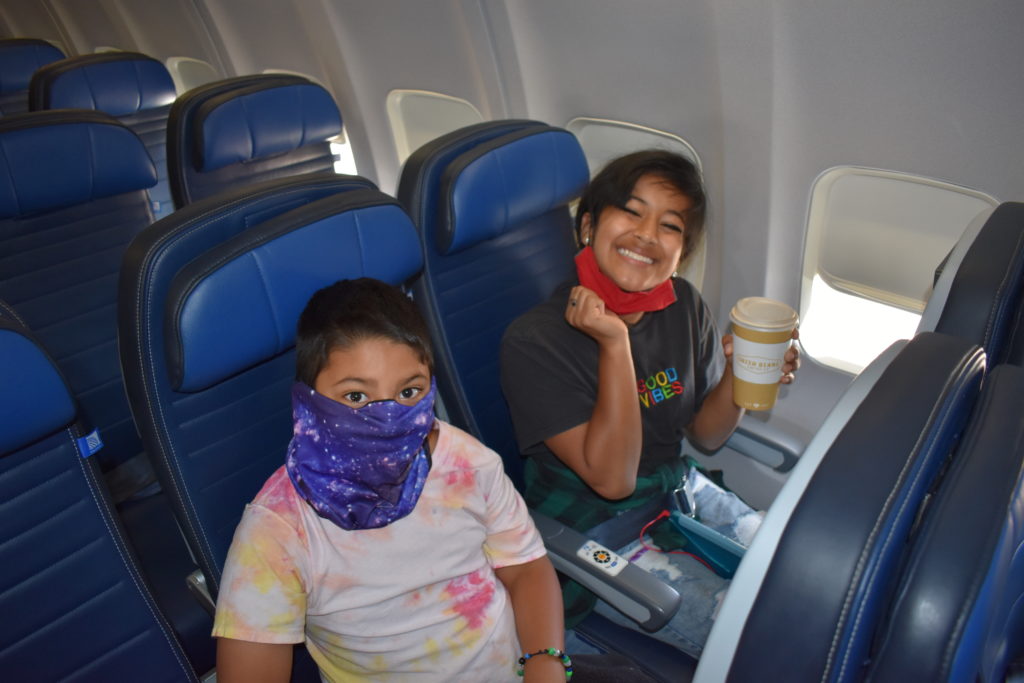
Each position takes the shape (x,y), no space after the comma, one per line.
(586,229)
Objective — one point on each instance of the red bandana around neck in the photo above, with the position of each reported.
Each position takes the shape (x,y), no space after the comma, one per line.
(617,300)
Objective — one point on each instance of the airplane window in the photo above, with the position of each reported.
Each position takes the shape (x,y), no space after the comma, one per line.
(419,116)
(106,48)
(874,241)
(188,73)
(603,140)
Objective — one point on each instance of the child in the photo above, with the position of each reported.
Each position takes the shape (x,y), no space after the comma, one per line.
(390,542)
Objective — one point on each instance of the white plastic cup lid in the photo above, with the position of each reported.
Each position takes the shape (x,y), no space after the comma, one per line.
(761,313)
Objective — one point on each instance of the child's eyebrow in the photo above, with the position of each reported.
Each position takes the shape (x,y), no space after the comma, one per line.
(634,198)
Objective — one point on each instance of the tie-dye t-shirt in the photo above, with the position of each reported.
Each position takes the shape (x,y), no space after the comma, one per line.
(417,599)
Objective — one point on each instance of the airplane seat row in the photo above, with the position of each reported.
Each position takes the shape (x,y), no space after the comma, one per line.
(73,198)
(75,605)
(218,135)
(132,87)
(19,59)
(208,378)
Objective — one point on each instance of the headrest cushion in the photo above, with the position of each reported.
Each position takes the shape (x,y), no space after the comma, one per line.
(506,182)
(57,159)
(262,121)
(238,304)
(20,58)
(34,401)
(118,83)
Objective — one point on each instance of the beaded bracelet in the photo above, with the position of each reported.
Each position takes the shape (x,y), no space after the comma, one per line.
(553,652)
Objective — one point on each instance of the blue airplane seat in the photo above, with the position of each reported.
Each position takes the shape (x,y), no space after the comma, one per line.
(958,613)
(134,88)
(491,203)
(73,196)
(210,299)
(206,344)
(247,129)
(980,291)
(815,583)
(75,605)
(19,59)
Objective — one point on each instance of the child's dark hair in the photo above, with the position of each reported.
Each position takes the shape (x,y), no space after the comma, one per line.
(350,311)
(613,185)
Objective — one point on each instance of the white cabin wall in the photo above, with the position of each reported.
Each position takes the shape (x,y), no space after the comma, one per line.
(439,46)
(170,28)
(34,20)
(90,24)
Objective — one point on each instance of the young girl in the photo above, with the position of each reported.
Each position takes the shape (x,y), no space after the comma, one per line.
(390,542)
(606,378)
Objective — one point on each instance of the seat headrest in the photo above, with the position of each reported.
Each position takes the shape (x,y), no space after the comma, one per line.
(506,182)
(34,400)
(262,120)
(20,58)
(61,158)
(118,83)
(237,305)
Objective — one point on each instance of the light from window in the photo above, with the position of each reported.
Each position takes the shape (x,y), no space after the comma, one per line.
(847,332)
(344,160)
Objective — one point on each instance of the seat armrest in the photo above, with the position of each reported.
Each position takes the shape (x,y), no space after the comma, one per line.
(196,583)
(766,443)
(638,594)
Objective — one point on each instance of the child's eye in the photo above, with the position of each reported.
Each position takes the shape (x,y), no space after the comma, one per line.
(672,226)
(632,212)
(409,392)
(355,397)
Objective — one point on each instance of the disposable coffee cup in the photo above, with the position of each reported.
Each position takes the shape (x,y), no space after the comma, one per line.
(761,333)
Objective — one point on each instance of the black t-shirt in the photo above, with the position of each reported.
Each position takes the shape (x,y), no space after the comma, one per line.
(549,373)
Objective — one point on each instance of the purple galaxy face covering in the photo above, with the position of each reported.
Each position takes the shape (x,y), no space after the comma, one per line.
(361,468)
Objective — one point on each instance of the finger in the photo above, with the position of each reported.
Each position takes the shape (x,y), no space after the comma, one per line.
(787,378)
(796,333)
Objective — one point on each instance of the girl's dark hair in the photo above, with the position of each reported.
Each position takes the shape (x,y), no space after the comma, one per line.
(350,311)
(614,184)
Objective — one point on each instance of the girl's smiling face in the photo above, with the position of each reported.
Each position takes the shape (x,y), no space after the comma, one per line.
(640,245)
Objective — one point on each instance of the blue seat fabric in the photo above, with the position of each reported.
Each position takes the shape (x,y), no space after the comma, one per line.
(68,581)
(73,197)
(967,566)
(217,419)
(19,59)
(134,88)
(987,292)
(838,559)
(492,250)
(248,129)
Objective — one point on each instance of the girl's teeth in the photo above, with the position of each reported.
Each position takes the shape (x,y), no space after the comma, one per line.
(633,255)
